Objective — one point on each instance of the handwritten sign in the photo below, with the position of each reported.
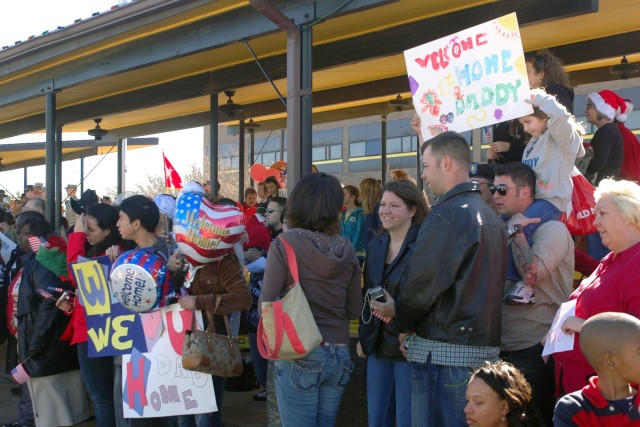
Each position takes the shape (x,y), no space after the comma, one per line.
(6,248)
(470,79)
(155,384)
(557,340)
(113,330)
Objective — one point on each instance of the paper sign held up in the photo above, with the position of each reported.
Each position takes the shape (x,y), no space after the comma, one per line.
(473,78)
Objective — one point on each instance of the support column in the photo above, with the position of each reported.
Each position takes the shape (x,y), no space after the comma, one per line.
(82,178)
(213,142)
(58,186)
(122,167)
(419,180)
(242,160)
(50,157)
(306,100)
(383,147)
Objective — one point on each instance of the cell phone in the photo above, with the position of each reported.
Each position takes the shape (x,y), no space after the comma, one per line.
(377,294)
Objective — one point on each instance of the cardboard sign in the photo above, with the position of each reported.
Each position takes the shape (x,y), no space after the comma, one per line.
(6,248)
(113,330)
(473,78)
(154,384)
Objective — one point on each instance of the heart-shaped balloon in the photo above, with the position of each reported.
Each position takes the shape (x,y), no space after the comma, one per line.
(140,280)
(205,232)
(257,172)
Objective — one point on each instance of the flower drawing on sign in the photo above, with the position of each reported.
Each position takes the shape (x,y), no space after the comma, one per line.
(431,103)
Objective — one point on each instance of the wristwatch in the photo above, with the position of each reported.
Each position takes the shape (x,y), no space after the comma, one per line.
(514,229)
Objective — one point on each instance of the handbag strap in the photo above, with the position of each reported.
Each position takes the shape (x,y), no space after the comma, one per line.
(291,259)
(211,327)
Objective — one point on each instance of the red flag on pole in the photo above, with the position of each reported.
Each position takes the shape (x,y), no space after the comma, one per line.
(171,177)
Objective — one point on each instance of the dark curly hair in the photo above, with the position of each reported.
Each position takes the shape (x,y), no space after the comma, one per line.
(509,383)
(551,65)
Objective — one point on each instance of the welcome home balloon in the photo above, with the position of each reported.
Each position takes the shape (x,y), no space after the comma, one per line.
(140,280)
(205,232)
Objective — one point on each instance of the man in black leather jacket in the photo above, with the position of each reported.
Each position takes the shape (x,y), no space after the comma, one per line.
(451,290)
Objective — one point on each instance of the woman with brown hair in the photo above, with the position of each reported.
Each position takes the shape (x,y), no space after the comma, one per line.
(370,191)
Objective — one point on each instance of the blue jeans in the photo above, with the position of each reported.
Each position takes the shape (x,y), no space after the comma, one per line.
(538,209)
(309,390)
(209,419)
(97,375)
(259,362)
(539,375)
(388,392)
(438,394)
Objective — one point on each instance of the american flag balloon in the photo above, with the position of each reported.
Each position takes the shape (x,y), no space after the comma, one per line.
(140,280)
(205,232)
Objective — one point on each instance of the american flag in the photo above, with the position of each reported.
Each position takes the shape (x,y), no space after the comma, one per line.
(19,374)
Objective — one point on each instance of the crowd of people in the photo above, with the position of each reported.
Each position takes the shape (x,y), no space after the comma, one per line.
(455,292)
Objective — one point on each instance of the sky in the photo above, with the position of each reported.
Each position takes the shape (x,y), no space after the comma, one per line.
(183,148)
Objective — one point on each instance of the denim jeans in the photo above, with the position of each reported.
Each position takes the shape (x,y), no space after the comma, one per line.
(97,375)
(388,392)
(209,419)
(309,390)
(538,209)
(539,375)
(259,362)
(438,394)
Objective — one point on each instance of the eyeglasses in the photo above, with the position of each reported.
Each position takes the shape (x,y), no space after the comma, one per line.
(589,105)
(502,189)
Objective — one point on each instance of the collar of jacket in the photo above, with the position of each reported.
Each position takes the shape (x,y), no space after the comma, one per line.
(463,187)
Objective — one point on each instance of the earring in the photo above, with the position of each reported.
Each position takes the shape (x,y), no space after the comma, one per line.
(504,419)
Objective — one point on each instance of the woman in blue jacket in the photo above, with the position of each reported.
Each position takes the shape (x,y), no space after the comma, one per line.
(352,220)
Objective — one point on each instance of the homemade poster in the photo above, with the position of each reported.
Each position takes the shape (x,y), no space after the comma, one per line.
(473,78)
(154,383)
(557,340)
(7,246)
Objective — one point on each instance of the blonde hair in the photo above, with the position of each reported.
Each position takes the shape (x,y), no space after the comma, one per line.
(625,196)
(370,192)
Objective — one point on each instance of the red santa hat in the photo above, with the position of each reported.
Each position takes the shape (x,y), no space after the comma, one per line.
(611,105)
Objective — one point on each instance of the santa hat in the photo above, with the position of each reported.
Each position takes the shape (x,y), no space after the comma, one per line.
(611,105)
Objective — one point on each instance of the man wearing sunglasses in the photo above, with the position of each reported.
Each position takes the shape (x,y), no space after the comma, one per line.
(451,289)
(545,262)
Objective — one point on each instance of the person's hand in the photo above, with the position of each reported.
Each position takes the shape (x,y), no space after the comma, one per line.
(65,304)
(175,262)
(416,124)
(403,349)
(385,309)
(522,220)
(572,325)
(500,146)
(244,238)
(79,225)
(113,252)
(359,351)
(252,254)
(188,302)
(544,339)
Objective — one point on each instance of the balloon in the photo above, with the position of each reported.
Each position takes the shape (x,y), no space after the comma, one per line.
(257,172)
(140,280)
(205,232)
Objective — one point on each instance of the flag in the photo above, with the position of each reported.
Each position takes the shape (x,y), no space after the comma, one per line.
(171,177)
(19,374)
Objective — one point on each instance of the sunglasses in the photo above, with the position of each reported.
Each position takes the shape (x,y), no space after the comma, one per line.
(589,105)
(502,189)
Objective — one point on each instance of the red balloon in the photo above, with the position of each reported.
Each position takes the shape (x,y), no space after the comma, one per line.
(257,172)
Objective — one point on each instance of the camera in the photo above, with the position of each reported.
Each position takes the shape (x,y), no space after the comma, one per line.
(377,294)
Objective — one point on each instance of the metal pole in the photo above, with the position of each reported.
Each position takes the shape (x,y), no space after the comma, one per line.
(50,157)
(252,152)
(58,186)
(213,142)
(419,180)
(121,167)
(383,147)
(25,179)
(82,178)
(306,101)
(241,161)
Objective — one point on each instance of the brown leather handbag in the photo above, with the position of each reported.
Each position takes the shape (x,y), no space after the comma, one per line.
(209,352)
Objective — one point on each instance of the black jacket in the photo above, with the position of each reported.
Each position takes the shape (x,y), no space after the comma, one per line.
(377,336)
(41,323)
(451,289)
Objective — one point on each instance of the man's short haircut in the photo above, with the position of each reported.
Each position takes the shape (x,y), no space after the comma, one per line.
(248,191)
(452,144)
(314,204)
(143,209)
(520,174)
(272,180)
(606,332)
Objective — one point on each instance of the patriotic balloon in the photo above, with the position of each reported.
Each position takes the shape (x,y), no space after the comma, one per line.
(140,280)
(205,232)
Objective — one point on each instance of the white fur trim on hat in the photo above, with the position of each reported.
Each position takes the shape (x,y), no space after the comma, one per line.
(604,103)
(625,111)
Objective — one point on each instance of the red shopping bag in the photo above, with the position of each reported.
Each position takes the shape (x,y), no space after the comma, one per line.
(580,221)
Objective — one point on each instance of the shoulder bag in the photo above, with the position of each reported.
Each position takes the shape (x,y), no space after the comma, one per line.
(209,352)
(287,329)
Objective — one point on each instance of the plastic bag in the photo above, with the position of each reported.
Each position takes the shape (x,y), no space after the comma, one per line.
(579,221)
